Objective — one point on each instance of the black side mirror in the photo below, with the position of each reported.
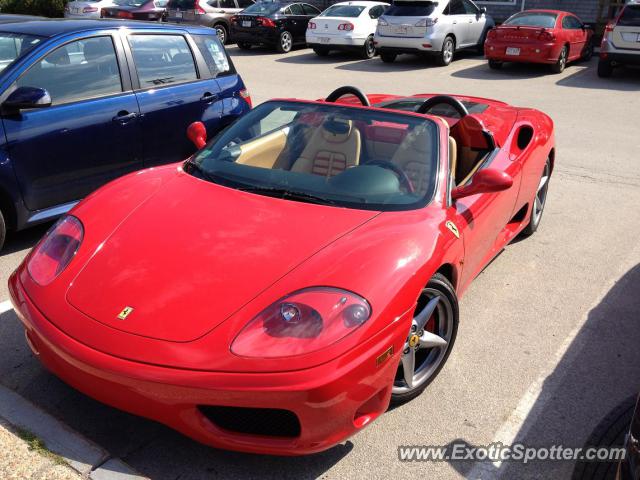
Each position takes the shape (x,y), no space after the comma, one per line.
(483,10)
(27,97)
(586,26)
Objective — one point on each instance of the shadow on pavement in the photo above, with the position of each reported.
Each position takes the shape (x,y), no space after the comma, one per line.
(152,449)
(600,369)
(17,241)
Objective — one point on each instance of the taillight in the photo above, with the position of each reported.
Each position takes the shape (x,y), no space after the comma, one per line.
(234,19)
(244,93)
(311,26)
(305,321)
(610,26)
(198,10)
(89,9)
(546,36)
(67,8)
(122,14)
(265,22)
(56,249)
(492,33)
(346,26)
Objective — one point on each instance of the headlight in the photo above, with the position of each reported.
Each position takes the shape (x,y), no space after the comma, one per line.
(56,249)
(303,322)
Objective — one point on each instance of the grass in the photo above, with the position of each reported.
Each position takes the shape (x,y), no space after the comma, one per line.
(36,444)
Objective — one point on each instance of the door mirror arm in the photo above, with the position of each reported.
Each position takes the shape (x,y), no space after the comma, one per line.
(488,180)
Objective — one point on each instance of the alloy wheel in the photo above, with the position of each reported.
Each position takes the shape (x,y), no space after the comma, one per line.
(447,51)
(541,194)
(426,346)
(285,41)
(222,34)
(369,48)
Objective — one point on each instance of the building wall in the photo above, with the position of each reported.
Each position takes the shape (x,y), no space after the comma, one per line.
(587,10)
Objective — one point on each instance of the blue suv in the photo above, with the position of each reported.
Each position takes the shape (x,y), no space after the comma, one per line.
(83,102)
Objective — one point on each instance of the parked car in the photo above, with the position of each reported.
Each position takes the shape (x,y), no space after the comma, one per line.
(276,24)
(359,215)
(551,37)
(621,40)
(209,13)
(346,26)
(149,10)
(86,101)
(86,8)
(431,28)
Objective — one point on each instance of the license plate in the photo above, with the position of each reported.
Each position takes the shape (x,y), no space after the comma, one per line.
(75,10)
(513,51)
(178,14)
(401,29)
(246,23)
(324,39)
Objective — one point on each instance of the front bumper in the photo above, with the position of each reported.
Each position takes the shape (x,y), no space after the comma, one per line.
(331,401)
(547,53)
(334,41)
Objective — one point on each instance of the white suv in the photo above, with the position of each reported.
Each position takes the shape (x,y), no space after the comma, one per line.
(431,28)
(621,40)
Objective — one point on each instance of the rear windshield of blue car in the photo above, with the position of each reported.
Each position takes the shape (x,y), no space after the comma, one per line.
(630,16)
(343,11)
(14,46)
(533,19)
(411,9)
(263,8)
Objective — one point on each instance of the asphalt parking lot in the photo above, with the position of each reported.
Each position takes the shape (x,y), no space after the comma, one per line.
(549,333)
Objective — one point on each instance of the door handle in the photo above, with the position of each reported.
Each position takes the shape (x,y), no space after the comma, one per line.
(470,21)
(209,97)
(124,117)
(455,21)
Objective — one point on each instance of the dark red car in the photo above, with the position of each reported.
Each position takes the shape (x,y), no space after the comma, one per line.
(540,36)
(150,10)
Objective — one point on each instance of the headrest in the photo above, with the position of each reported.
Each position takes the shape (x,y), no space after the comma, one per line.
(336,130)
(96,49)
(58,57)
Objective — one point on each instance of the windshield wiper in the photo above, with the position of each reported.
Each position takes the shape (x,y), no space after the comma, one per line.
(206,175)
(287,194)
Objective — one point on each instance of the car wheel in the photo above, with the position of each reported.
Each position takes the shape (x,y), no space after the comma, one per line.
(285,43)
(610,433)
(3,230)
(560,65)
(429,341)
(388,57)
(587,53)
(221,32)
(321,51)
(605,69)
(369,48)
(495,65)
(244,46)
(446,54)
(539,201)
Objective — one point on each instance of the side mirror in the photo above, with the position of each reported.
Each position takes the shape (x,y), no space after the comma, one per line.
(27,97)
(484,181)
(197,133)
(586,26)
(483,10)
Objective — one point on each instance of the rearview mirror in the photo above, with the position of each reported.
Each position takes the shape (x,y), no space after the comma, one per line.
(27,97)
(197,133)
(484,181)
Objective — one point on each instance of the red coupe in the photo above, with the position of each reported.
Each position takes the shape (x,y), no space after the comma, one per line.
(540,36)
(275,291)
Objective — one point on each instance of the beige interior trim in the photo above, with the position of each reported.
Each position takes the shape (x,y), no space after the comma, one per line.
(264,151)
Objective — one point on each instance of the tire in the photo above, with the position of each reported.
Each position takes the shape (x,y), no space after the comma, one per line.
(244,46)
(368,49)
(285,42)
(495,65)
(222,33)
(388,57)
(448,50)
(539,201)
(609,433)
(561,64)
(587,53)
(3,230)
(605,69)
(321,51)
(428,361)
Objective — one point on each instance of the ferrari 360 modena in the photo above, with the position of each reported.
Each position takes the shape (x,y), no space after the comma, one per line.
(277,290)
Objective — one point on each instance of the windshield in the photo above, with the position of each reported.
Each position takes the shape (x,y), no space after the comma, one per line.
(411,9)
(343,11)
(630,16)
(263,8)
(533,19)
(15,45)
(327,154)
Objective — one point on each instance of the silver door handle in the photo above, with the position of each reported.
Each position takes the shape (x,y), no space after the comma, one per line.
(455,21)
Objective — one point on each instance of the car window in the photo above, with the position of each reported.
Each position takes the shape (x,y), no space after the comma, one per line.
(571,23)
(245,3)
(263,8)
(469,7)
(456,7)
(376,11)
(213,3)
(532,19)
(76,71)
(630,16)
(227,4)
(310,9)
(295,9)
(410,9)
(160,3)
(213,53)
(162,59)
(352,11)
(15,45)
(182,4)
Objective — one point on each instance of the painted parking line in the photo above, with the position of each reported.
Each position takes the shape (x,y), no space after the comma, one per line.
(5,306)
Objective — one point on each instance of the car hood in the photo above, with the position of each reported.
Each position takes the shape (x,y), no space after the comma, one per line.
(194,253)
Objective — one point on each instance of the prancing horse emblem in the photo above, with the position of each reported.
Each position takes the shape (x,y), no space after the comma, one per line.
(452,226)
(126,311)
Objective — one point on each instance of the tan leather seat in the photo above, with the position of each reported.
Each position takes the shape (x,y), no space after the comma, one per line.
(415,158)
(453,156)
(328,153)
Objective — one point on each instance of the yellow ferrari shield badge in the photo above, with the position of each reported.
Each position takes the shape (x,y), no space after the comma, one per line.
(452,226)
(126,311)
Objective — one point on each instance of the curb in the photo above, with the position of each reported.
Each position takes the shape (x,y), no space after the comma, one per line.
(84,456)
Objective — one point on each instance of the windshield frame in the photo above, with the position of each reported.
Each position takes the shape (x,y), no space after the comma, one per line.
(423,202)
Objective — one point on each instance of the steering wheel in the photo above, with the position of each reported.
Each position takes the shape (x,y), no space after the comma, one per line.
(440,99)
(348,90)
(405,181)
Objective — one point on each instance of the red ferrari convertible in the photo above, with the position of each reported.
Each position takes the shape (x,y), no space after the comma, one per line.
(540,36)
(275,291)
